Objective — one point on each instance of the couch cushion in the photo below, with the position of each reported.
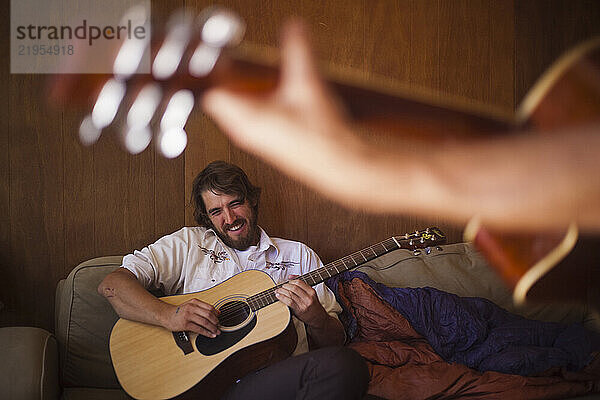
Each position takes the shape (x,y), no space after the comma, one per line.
(29,364)
(460,269)
(84,320)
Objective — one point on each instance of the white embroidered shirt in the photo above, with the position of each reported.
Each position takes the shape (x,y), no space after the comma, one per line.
(195,258)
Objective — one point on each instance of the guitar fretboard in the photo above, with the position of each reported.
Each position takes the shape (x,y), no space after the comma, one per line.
(317,276)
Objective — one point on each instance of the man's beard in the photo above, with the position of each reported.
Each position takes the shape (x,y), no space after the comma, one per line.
(242,243)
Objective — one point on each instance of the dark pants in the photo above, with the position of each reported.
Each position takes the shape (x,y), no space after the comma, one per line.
(328,373)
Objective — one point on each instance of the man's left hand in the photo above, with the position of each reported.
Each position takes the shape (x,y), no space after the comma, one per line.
(303,301)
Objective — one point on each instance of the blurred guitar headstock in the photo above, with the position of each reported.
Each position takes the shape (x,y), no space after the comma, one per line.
(144,105)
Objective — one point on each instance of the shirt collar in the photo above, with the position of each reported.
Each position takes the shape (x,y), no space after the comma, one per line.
(265,243)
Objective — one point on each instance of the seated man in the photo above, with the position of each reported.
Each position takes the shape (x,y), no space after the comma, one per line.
(228,242)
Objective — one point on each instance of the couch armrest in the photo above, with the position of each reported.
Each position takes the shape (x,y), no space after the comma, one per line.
(29,366)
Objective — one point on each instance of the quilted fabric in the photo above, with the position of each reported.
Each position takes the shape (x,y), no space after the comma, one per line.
(404,365)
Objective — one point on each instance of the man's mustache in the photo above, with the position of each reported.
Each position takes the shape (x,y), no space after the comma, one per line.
(234,223)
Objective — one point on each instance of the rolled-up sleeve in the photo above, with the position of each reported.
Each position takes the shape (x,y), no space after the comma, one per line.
(159,265)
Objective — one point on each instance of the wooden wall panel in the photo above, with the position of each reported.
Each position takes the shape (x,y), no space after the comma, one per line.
(79,195)
(37,234)
(464,48)
(140,202)
(205,144)
(387,44)
(501,56)
(544,30)
(111,171)
(169,195)
(425,44)
(5,220)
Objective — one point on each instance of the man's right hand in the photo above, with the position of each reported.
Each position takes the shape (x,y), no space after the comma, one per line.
(132,301)
(193,316)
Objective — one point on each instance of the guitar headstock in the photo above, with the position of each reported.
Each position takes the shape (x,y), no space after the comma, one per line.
(432,236)
(143,106)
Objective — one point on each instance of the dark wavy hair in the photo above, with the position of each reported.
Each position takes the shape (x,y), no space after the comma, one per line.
(222,177)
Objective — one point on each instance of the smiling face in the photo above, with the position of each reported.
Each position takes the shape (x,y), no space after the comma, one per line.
(232,218)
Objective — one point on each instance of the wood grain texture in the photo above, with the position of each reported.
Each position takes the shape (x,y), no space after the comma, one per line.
(425,44)
(148,362)
(544,30)
(501,56)
(5,216)
(79,196)
(36,207)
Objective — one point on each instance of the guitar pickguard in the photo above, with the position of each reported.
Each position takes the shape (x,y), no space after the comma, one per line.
(210,346)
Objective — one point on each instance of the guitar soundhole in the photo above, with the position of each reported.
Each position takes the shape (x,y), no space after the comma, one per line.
(233,313)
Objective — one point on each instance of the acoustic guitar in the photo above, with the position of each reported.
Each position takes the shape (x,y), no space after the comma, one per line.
(256,330)
(568,94)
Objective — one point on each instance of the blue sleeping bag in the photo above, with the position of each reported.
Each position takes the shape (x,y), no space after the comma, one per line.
(479,334)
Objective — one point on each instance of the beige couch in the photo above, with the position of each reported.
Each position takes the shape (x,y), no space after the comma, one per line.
(74,363)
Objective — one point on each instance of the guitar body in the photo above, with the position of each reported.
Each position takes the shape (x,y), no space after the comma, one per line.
(150,364)
(543,266)
(523,259)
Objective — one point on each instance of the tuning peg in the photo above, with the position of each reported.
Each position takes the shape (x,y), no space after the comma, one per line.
(104,111)
(88,133)
(172,49)
(220,28)
(137,134)
(172,138)
(133,50)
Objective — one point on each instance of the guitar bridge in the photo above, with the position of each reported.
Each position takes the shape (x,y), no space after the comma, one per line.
(183,342)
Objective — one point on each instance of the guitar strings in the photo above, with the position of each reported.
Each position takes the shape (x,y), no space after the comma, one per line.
(234,310)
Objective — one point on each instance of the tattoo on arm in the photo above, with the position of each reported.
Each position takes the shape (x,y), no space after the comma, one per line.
(109,292)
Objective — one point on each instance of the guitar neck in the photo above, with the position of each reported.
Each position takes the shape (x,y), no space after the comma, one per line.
(349,262)
(376,102)
(429,237)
